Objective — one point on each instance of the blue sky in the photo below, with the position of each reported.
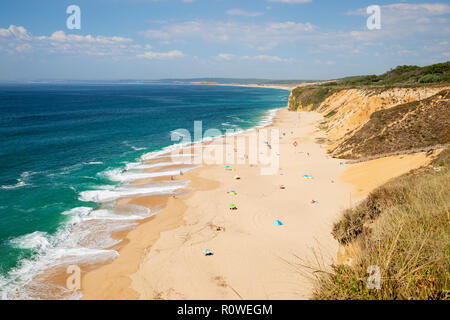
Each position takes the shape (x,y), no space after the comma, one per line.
(276,39)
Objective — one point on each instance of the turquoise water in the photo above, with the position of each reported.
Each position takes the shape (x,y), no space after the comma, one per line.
(62,145)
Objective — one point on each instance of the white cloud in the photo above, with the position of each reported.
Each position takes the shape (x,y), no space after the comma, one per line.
(23,47)
(397,12)
(19,33)
(327,62)
(240,12)
(161,55)
(61,36)
(156,34)
(226,56)
(261,36)
(20,40)
(261,57)
(405,29)
(269,58)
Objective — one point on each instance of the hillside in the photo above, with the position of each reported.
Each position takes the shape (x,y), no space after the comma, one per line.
(402,227)
(310,97)
(418,124)
(368,121)
(403,75)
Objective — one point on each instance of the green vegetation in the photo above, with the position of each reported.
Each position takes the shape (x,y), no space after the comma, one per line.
(330,114)
(311,97)
(404,228)
(403,75)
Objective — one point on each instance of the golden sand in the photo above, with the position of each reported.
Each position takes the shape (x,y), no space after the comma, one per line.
(368,175)
(253,259)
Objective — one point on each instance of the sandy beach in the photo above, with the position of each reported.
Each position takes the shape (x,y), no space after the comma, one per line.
(163,258)
(253,258)
(288,87)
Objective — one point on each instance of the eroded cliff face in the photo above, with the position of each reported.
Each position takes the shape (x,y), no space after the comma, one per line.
(349,110)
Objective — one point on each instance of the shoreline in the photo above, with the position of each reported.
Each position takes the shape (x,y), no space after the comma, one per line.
(162,257)
(120,278)
(123,277)
(268,86)
(50,271)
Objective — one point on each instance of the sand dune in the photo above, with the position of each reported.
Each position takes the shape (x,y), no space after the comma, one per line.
(368,175)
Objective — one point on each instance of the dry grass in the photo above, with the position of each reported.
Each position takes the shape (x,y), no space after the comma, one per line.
(404,228)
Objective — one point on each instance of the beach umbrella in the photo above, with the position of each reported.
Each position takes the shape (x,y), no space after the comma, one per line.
(208,252)
(308,176)
(232,206)
(237,177)
(295,144)
(278,223)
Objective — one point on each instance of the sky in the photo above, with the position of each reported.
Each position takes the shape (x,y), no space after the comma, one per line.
(270,39)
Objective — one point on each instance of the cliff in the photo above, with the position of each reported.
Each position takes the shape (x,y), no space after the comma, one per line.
(401,226)
(366,122)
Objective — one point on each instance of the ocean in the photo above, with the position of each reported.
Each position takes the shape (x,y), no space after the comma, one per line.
(67,151)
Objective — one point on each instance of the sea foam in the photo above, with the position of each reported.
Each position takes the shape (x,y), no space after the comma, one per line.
(111,195)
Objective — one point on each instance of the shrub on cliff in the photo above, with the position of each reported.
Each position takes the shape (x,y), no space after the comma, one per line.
(310,98)
(430,78)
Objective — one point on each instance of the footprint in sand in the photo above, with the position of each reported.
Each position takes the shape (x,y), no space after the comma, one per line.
(220,281)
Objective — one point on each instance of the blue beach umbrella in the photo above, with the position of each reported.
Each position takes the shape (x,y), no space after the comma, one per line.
(278,223)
